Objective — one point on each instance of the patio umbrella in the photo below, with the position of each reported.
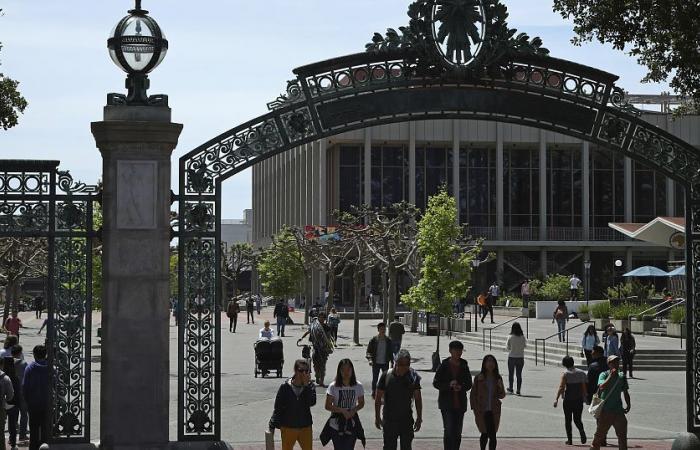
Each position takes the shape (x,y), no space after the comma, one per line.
(677,272)
(646,271)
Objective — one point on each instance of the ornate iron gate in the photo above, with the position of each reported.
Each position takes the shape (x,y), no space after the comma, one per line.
(402,77)
(39,201)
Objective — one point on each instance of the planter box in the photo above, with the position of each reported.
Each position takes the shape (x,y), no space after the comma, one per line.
(460,325)
(676,330)
(601,323)
(642,326)
(620,325)
(585,317)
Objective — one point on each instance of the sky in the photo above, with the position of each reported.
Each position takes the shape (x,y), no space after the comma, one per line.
(227,59)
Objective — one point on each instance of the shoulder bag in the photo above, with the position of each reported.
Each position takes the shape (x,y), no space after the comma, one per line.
(596,406)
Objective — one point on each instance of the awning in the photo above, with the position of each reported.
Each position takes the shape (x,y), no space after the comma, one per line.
(646,271)
(677,272)
(665,231)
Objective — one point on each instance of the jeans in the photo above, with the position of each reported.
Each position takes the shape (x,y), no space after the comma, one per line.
(572,410)
(515,365)
(232,322)
(589,356)
(628,363)
(13,415)
(345,442)
(376,368)
(452,422)
(250,316)
(38,430)
(561,326)
(607,420)
(490,436)
(394,431)
(334,333)
(281,323)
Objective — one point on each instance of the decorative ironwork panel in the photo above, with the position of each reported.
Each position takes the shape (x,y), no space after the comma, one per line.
(613,130)
(198,401)
(650,144)
(693,305)
(68,335)
(200,216)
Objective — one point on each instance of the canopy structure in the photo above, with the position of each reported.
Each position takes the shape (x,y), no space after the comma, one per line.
(677,272)
(665,231)
(646,271)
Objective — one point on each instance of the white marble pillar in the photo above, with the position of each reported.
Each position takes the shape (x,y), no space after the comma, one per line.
(586,190)
(412,163)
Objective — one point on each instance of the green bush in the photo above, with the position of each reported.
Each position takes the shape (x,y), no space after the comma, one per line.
(584,309)
(677,315)
(554,288)
(633,288)
(624,311)
(515,302)
(601,310)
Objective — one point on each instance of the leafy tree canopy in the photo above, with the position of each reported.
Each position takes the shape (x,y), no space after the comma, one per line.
(11,101)
(280,266)
(661,34)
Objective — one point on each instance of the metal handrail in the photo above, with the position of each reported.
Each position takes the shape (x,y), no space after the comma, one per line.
(544,351)
(671,307)
(673,303)
(490,330)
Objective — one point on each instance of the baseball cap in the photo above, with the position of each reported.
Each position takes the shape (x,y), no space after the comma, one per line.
(613,358)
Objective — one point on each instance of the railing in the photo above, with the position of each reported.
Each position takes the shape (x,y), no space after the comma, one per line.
(521,234)
(566,339)
(552,234)
(490,330)
(488,233)
(671,307)
(669,304)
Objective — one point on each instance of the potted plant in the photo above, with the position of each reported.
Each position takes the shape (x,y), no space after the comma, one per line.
(621,315)
(601,315)
(644,323)
(584,313)
(676,322)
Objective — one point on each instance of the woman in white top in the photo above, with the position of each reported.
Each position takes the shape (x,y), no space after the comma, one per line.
(516,356)
(344,398)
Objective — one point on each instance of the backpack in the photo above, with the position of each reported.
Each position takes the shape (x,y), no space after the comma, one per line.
(559,314)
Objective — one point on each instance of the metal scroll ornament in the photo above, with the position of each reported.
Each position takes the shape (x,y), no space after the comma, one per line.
(458,29)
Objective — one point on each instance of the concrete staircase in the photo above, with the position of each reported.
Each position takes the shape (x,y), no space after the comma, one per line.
(661,330)
(644,360)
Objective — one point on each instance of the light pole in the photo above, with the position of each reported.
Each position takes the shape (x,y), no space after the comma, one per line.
(587,285)
(618,267)
(475,265)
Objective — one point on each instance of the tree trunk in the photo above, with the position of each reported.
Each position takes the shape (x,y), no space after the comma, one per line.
(414,321)
(391,308)
(307,301)
(385,296)
(331,289)
(357,291)
(11,292)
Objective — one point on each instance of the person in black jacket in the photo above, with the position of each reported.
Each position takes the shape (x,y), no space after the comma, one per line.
(281,313)
(453,379)
(292,413)
(379,354)
(599,364)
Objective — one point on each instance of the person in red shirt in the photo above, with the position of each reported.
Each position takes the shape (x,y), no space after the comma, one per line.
(13,324)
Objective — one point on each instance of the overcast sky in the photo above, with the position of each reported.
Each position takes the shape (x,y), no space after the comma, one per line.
(227,59)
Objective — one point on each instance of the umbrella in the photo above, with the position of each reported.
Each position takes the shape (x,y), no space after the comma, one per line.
(677,272)
(646,271)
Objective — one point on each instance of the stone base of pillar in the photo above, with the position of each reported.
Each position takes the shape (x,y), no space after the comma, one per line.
(686,441)
(220,445)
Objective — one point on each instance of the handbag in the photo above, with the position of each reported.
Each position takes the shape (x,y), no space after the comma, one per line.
(596,406)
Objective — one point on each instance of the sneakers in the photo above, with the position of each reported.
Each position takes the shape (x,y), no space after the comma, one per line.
(583,437)
(510,390)
(517,393)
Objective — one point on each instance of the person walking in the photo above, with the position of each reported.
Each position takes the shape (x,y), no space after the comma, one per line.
(334,323)
(175,315)
(7,396)
(319,336)
(612,342)
(574,283)
(281,313)
(597,366)
(13,324)
(35,389)
(396,332)
(573,388)
(628,348)
(398,389)
(12,406)
(344,398)
(10,341)
(560,315)
(525,295)
(379,354)
(453,379)
(266,332)
(292,410)
(38,306)
(481,301)
(250,310)
(589,340)
(232,310)
(515,346)
(612,385)
(491,299)
(485,398)
(258,303)
(20,368)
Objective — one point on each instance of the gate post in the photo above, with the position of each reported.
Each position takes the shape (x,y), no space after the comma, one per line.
(136,143)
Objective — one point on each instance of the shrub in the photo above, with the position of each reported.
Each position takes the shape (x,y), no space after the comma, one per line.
(677,315)
(624,311)
(554,288)
(633,288)
(601,310)
(584,309)
(515,302)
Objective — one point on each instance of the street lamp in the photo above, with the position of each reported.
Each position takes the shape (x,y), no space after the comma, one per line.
(137,45)
(475,265)
(587,286)
(618,267)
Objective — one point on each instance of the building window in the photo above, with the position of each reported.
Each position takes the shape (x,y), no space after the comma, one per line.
(648,193)
(351,174)
(565,186)
(477,190)
(521,187)
(607,188)
(389,174)
(433,170)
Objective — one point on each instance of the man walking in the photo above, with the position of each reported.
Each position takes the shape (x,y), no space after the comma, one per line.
(250,310)
(612,385)
(574,283)
(38,306)
(20,410)
(281,312)
(292,413)
(35,389)
(398,389)
(13,324)
(396,332)
(453,379)
(232,310)
(491,299)
(379,354)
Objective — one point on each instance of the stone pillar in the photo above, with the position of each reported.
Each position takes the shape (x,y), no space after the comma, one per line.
(499,182)
(136,143)
(412,163)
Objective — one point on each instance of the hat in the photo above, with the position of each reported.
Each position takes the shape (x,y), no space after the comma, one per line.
(612,358)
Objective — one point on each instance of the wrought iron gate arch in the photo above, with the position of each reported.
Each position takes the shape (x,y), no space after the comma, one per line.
(37,200)
(398,80)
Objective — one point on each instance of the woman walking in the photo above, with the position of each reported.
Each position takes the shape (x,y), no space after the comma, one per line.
(590,340)
(516,356)
(628,347)
(319,335)
(334,323)
(560,315)
(573,389)
(612,342)
(485,398)
(344,398)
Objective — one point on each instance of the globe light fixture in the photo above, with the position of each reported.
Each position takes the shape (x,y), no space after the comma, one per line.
(137,45)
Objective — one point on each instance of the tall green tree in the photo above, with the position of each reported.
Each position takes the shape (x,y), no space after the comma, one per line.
(279,268)
(446,256)
(661,34)
(11,101)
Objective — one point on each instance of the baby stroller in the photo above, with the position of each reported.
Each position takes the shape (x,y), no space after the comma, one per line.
(269,357)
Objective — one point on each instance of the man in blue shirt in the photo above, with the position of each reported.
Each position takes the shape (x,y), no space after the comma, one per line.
(612,386)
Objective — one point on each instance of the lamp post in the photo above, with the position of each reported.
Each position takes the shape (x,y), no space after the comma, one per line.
(618,267)
(137,45)
(475,265)
(587,285)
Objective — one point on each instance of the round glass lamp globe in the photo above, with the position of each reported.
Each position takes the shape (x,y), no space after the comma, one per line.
(137,45)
